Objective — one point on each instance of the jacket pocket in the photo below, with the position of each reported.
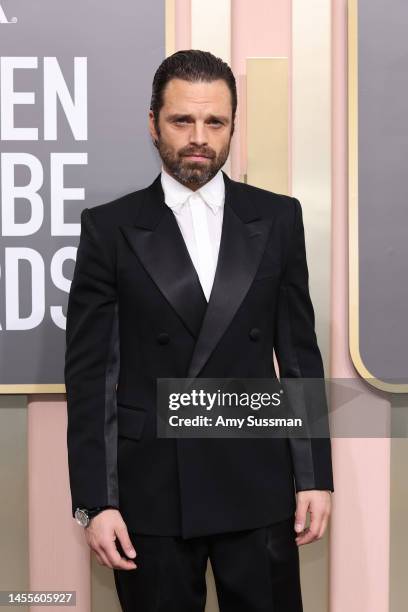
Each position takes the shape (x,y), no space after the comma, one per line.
(131,421)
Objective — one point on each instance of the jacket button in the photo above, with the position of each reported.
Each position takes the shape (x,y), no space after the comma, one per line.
(163,338)
(255,333)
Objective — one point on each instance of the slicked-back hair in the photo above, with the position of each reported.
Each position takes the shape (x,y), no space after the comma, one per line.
(191,65)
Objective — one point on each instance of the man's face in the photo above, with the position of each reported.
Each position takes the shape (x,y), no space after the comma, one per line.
(194,132)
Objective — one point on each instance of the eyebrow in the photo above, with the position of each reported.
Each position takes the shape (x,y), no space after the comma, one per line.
(178,116)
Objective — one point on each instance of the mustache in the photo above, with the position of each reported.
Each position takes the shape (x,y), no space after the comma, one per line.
(206,153)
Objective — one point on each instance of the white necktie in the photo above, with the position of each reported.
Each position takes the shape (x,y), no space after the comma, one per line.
(205,264)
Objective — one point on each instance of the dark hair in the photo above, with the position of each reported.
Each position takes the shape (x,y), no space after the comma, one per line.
(191,65)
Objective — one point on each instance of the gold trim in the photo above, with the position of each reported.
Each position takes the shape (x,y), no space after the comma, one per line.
(28,388)
(170,26)
(354,334)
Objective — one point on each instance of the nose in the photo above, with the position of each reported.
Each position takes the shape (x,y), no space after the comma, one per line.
(198,135)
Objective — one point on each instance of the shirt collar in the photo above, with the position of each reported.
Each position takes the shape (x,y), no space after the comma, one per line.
(176,194)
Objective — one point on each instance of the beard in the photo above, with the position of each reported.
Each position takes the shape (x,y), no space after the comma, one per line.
(187,171)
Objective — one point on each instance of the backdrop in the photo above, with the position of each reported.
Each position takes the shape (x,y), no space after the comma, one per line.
(75,93)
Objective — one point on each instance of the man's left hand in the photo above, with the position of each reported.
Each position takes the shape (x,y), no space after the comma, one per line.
(318,503)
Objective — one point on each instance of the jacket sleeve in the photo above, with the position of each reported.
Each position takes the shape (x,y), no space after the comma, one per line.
(91,370)
(298,356)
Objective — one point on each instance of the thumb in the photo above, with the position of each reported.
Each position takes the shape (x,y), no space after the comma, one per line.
(125,541)
(300,516)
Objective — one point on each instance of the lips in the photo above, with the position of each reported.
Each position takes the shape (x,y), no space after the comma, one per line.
(198,156)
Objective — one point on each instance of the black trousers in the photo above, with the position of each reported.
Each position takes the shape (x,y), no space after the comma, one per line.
(256,570)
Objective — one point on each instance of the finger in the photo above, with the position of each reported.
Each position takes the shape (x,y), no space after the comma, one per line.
(302,540)
(310,533)
(125,541)
(114,557)
(110,551)
(300,515)
(125,564)
(305,538)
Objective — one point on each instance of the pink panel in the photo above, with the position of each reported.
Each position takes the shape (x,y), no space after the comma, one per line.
(59,557)
(359,551)
(183,24)
(260,28)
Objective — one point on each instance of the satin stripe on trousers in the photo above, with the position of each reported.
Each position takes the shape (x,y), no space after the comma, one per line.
(255,570)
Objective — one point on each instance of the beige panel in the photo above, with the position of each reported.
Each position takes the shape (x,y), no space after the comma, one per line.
(212,600)
(170,26)
(267,123)
(311,184)
(14,506)
(311,147)
(104,595)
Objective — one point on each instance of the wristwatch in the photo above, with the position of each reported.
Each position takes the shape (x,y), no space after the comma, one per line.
(83,516)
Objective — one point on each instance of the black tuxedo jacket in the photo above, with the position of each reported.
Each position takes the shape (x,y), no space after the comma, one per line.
(136,312)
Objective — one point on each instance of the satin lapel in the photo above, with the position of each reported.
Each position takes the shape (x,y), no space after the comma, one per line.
(243,240)
(158,243)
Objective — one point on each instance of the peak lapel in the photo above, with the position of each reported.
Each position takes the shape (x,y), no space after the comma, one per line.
(157,241)
(243,240)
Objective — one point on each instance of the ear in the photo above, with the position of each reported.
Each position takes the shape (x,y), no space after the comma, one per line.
(152,128)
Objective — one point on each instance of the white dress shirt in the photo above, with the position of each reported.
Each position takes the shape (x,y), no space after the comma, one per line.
(199,215)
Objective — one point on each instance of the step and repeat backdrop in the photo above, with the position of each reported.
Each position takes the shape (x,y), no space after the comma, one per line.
(75,83)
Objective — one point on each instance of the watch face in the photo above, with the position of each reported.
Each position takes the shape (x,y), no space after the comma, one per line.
(81,517)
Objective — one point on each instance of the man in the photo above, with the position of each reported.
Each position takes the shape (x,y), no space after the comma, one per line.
(195,276)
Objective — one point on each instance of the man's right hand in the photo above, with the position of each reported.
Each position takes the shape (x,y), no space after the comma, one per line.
(101,534)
